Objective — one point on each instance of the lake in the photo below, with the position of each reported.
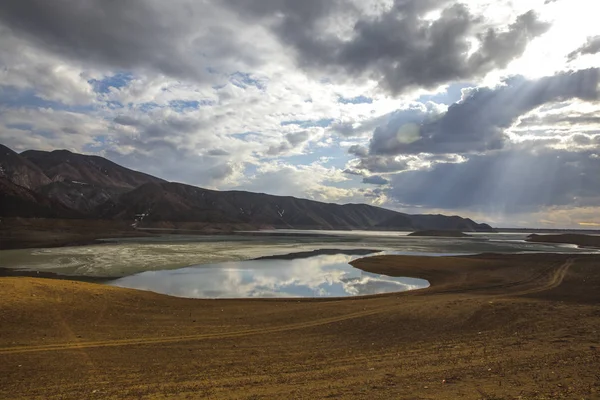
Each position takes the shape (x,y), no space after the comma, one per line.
(128,256)
(316,276)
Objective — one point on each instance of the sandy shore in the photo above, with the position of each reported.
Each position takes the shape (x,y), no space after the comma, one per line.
(489,327)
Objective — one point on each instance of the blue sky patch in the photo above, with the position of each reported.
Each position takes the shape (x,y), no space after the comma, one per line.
(147,107)
(243,80)
(99,142)
(336,157)
(117,81)
(185,105)
(323,123)
(245,136)
(114,105)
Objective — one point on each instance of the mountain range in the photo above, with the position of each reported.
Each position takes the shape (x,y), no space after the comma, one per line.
(62,184)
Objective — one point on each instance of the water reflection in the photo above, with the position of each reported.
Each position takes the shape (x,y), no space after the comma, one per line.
(318,276)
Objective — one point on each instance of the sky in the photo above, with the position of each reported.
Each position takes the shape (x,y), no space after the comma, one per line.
(485,109)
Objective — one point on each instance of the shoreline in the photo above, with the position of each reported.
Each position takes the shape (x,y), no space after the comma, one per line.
(15,272)
(579,240)
(371,262)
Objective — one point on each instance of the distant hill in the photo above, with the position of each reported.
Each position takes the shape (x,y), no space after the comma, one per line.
(445,223)
(439,233)
(65,183)
(179,202)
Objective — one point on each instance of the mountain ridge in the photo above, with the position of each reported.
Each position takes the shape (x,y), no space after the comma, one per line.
(96,188)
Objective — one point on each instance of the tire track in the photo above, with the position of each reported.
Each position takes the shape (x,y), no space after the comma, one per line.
(556,279)
(174,339)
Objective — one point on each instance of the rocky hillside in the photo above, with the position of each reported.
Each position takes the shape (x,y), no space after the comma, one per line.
(179,202)
(19,201)
(64,183)
(21,171)
(65,166)
(75,181)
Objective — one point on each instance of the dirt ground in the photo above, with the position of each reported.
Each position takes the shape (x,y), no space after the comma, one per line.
(489,327)
(19,233)
(22,233)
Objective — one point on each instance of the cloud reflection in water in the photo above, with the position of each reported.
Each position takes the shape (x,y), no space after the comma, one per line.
(319,276)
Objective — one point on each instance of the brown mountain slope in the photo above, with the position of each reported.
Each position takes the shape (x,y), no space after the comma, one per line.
(448,223)
(98,188)
(18,201)
(179,202)
(63,165)
(19,170)
(80,196)
(83,182)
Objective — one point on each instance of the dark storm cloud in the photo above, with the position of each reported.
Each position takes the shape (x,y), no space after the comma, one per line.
(169,125)
(306,12)
(358,150)
(380,164)
(519,179)
(399,48)
(405,51)
(297,138)
(292,141)
(149,35)
(220,172)
(375,180)
(352,172)
(592,46)
(126,120)
(478,122)
(355,129)
(218,152)
(587,140)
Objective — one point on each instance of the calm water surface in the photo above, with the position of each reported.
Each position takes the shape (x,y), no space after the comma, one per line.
(317,276)
(128,256)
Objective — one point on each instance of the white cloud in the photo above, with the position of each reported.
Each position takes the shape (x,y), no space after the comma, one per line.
(50,77)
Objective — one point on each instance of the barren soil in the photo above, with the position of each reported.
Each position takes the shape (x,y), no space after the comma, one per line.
(489,327)
(580,240)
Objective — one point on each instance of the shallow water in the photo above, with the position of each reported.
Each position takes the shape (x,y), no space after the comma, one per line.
(317,276)
(123,257)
